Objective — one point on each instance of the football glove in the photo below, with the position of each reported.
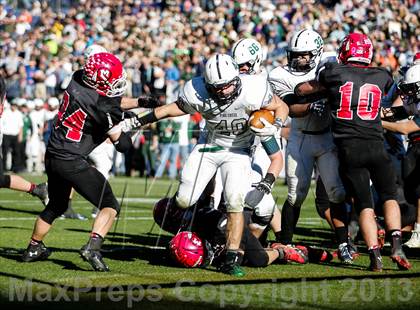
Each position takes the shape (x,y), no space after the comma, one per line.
(254,197)
(267,131)
(130,122)
(148,102)
(317,107)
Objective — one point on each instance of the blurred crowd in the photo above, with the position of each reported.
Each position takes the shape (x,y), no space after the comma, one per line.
(164,43)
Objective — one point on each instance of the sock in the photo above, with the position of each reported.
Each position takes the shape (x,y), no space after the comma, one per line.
(277,234)
(287,223)
(32,188)
(95,241)
(396,240)
(341,234)
(416,227)
(35,242)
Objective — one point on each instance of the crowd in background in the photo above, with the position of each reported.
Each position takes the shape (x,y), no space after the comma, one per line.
(162,44)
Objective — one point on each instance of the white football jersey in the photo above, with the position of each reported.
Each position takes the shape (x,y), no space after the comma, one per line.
(226,125)
(283,81)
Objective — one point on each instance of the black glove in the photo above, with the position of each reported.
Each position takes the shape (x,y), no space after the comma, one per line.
(254,197)
(317,107)
(148,102)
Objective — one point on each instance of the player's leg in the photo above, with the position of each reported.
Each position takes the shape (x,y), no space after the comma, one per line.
(385,182)
(236,176)
(299,168)
(59,190)
(196,174)
(355,160)
(411,172)
(327,164)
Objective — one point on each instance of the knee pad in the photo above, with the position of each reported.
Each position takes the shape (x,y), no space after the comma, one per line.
(337,195)
(4,181)
(235,203)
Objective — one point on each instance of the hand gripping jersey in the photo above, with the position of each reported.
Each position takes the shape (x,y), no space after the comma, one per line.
(83,120)
(354,94)
(226,125)
(284,81)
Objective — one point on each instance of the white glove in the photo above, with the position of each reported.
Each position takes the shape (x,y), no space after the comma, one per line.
(267,130)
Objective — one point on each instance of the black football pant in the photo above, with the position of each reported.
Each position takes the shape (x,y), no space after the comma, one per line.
(85,179)
(362,161)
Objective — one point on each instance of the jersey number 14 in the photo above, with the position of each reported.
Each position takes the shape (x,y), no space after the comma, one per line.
(74,122)
(367,105)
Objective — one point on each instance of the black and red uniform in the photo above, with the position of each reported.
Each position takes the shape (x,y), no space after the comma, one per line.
(354,93)
(82,123)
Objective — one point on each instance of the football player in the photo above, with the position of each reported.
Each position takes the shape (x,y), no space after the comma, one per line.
(16,182)
(90,112)
(310,140)
(410,93)
(354,90)
(225,99)
(210,225)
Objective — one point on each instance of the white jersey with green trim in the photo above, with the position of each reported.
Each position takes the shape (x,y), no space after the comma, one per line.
(227,124)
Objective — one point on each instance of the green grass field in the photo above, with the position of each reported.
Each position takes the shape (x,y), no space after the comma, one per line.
(141,277)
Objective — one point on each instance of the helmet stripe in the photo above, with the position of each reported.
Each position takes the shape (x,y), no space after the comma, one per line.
(236,46)
(297,37)
(217,66)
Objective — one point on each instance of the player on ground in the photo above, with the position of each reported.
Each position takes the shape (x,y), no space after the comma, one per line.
(225,99)
(354,91)
(16,182)
(89,113)
(410,91)
(310,140)
(210,225)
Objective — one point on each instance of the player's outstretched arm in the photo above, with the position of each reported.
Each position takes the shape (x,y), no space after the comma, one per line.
(147,102)
(307,88)
(401,127)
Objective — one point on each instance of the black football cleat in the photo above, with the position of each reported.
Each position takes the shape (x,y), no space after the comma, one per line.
(36,252)
(94,258)
(375,260)
(41,191)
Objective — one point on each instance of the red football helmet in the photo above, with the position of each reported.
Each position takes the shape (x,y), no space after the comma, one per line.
(187,249)
(416,58)
(105,73)
(355,47)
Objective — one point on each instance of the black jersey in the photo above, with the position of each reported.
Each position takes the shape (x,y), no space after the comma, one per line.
(83,120)
(355,93)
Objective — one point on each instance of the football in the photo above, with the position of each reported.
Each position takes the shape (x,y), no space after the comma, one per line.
(254,119)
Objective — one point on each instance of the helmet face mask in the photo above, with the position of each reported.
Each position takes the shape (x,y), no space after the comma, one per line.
(410,85)
(304,50)
(104,73)
(222,79)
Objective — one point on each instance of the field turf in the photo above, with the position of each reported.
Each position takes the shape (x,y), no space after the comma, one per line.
(142,278)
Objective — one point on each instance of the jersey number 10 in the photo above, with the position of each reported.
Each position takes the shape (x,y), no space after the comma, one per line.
(367,106)
(74,122)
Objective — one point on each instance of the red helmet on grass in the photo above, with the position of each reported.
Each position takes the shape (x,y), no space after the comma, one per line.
(187,249)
